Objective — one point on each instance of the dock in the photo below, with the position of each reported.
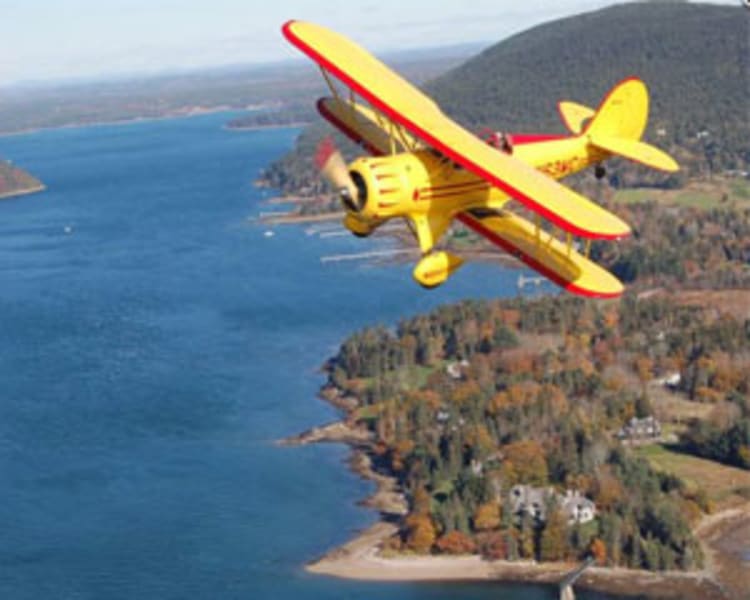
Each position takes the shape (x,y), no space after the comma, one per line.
(566,585)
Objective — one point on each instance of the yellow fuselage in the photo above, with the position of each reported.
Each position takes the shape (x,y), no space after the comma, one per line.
(425,182)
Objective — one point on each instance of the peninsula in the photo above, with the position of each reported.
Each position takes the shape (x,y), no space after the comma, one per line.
(17,182)
(511,439)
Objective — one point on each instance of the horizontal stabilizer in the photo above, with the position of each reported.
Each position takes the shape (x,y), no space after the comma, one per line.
(640,152)
(544,253)
(574,115)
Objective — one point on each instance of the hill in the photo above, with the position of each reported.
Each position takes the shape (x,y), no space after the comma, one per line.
(693,57)
(15,181)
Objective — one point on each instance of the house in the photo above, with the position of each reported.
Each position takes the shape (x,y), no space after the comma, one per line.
(671,381)
(646,428)
(531,500)
(536,501)
(455,369)
(577,508)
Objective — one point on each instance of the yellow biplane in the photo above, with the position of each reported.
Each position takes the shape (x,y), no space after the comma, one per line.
(426,168)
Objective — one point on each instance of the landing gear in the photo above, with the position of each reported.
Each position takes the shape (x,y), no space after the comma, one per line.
(600,172)
(433,269)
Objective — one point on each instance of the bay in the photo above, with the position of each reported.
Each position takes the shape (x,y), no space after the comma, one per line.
(153,345)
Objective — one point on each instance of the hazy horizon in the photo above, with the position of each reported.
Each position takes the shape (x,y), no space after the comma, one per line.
(300,62)
(48,41)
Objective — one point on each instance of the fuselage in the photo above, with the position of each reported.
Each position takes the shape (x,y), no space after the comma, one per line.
(425,181)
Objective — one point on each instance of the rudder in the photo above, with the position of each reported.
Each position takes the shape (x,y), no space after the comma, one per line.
(619,123)
(623,113)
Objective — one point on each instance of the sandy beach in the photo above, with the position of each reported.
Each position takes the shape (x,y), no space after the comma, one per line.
(26,192)
(723,536)
(360,559)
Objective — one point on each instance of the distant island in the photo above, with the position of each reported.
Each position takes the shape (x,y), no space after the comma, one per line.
(17,182)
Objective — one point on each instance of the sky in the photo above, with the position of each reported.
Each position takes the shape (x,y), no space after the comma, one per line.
(44,40)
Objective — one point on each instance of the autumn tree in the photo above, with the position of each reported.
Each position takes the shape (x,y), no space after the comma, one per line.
(487,516)
(599,551)
(420,534)
(528,460)
(526,537)
(553,544)
(455,542)
(608,490)
(492,545)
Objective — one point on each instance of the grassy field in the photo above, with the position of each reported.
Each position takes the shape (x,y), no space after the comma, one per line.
(701,194)
(672,407)
(719,481)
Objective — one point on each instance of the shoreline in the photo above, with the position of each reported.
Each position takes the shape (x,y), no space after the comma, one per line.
(723,577)
(25,192)
(296,219)
(292,125)
(177,114)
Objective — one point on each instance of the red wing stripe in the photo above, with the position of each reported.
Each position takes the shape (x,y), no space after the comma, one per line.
(447,195)
(443,188)
(521,139)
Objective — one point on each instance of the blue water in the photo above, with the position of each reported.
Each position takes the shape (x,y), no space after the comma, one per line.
(153,344)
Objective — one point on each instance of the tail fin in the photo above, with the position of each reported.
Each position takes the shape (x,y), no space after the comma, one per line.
(623,113)
(619,123)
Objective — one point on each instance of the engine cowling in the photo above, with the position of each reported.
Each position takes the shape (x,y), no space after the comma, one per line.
(401,184)
(389,186)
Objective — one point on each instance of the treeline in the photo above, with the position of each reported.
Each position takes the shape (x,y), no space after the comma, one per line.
(727,442)
(682,245)
(476,397)
(290,113)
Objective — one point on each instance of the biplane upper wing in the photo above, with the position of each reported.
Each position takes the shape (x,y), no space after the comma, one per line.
(406,105)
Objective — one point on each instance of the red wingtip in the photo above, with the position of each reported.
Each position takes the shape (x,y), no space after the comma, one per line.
(325,149)
(286,30)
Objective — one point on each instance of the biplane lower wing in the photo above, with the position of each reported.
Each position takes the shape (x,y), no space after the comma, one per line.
(556,260)
(401,102)
(364,126)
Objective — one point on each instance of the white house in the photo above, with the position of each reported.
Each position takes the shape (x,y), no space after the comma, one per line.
(577,507)
(646,428)
(535,501)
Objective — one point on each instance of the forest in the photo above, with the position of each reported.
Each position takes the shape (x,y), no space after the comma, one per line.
(476,397)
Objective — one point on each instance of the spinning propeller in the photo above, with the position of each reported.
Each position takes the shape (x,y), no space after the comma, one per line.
(333,168)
